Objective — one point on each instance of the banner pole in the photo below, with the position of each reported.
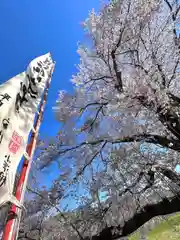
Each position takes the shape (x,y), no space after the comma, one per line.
(14,214)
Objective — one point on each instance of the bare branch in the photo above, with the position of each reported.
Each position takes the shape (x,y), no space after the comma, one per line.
(93,104)
(91,160)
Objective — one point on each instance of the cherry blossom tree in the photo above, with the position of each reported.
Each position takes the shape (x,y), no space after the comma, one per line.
(126,98)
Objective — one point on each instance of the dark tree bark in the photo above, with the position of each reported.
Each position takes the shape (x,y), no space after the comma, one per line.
(147,212)
(164,207)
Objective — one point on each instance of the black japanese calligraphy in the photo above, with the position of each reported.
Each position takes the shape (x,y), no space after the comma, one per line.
(40,69)
(5,123)
(6,163)
(3,97)
(31,91)
(47,63)
(1,136)
(4,173)
(2,178)
(21,99)
(24,90)
(36,69)
(30,88)
(31,79)
(39,64)
(39,79)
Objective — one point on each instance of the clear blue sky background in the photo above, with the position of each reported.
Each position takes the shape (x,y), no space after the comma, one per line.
(30,28)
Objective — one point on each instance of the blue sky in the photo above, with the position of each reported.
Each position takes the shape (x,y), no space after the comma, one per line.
(30,28)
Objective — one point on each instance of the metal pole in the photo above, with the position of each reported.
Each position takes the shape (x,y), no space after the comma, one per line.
(14,214)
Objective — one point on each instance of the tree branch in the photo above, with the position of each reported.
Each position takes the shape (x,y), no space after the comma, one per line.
(164,207)
(118,85)
(159,67)
(172,175)
(98,78)
(156,139)
(93,104)
(170,119)
(58,210)
(174,72)
(174,15)
(167,117)
(175,99)
(169,5)
(91,160)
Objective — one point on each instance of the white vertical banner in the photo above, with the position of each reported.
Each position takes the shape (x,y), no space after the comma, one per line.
(19,101)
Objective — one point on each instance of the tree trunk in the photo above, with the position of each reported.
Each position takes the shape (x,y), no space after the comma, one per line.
(164,207)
